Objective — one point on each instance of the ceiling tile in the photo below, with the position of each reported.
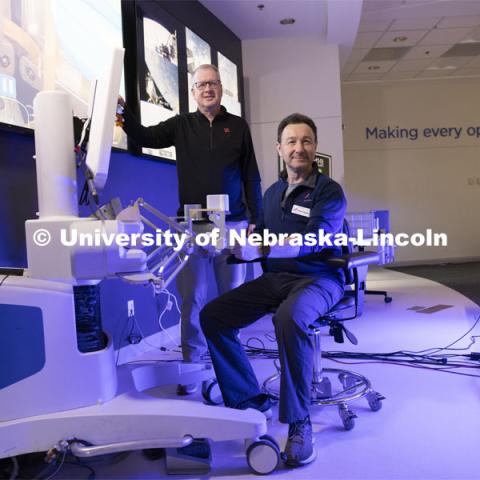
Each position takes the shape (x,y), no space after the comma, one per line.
(470,49)
(349,67)
(374,67)
(473,36)
(364,77)
(445,36)
(450,62)
(426,51)
(435,73)
(398,75)
(454,22)
(411,65)
(367,40)
(421,23)
(386,54)
(370,6)
(474,63)
(358,54)
(412,37)
(468,71)
(374,25)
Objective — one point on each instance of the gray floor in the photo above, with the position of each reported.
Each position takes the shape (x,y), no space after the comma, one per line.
(428,428)
(463,277)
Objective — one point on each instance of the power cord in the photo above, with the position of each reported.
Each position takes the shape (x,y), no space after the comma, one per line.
(429,359)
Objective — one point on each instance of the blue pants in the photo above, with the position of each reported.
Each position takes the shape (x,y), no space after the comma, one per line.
(298,301)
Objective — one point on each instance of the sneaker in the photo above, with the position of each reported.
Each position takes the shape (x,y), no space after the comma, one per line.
(188,389)
(299,449)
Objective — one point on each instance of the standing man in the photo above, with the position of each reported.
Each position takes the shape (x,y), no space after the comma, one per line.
(296,283)
(215,155)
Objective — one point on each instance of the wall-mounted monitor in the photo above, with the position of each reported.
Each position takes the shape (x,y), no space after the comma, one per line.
(198,53)
(54,45)
(160,82)
(229,76)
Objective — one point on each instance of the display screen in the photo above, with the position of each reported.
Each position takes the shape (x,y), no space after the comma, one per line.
(161,80)
(198,53)
(228,74)
(54,45)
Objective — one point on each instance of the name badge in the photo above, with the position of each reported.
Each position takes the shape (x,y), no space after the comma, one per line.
(303,211)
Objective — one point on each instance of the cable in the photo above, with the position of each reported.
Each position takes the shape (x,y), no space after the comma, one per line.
(144,338)
(428,359)
(167,307)
(271,337)
(439,349)
(57,470)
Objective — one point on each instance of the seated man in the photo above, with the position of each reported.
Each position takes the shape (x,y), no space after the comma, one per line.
(296,283)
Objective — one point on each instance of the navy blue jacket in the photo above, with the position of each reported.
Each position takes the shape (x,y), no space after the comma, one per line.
(215,158)
(327,205)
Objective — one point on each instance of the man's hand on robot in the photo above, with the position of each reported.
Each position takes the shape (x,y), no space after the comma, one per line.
(206,251)
(119,120)
(247,252)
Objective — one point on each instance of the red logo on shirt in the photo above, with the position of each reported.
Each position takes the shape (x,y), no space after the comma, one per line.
(227,131)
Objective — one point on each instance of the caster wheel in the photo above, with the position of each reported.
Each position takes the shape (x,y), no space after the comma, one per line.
(270,439)
(347,417)
(375,405)
(387,299)
(263,456)
(374,400)
(349,423)
(211,392)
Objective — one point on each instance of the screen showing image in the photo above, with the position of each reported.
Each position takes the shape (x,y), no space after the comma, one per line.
(55,45)
(161,79)
(228,74)
(198,53)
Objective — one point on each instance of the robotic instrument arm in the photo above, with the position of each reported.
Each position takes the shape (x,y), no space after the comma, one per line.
(164,260)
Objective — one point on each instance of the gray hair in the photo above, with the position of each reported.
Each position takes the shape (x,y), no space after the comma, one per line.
(206,66)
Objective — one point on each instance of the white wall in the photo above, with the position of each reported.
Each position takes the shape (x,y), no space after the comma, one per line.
(287,75)
(425,183)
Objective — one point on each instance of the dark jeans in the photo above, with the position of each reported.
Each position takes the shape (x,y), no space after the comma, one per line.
(298,301)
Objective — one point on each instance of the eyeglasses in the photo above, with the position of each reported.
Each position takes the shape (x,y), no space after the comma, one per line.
(203,85)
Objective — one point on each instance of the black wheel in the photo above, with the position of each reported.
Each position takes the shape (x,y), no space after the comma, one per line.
(211,392)
(387,299)
(349,423)
(263,456)
(270,439)
(375,405)
(374,400)
(347,416)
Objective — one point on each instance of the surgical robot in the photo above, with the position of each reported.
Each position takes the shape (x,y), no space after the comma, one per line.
(55,395)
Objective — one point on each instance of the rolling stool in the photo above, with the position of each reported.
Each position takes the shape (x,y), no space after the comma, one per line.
(333,386)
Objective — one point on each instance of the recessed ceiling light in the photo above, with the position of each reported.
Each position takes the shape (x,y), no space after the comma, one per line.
(400,39)
(287,21)
(373,67)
